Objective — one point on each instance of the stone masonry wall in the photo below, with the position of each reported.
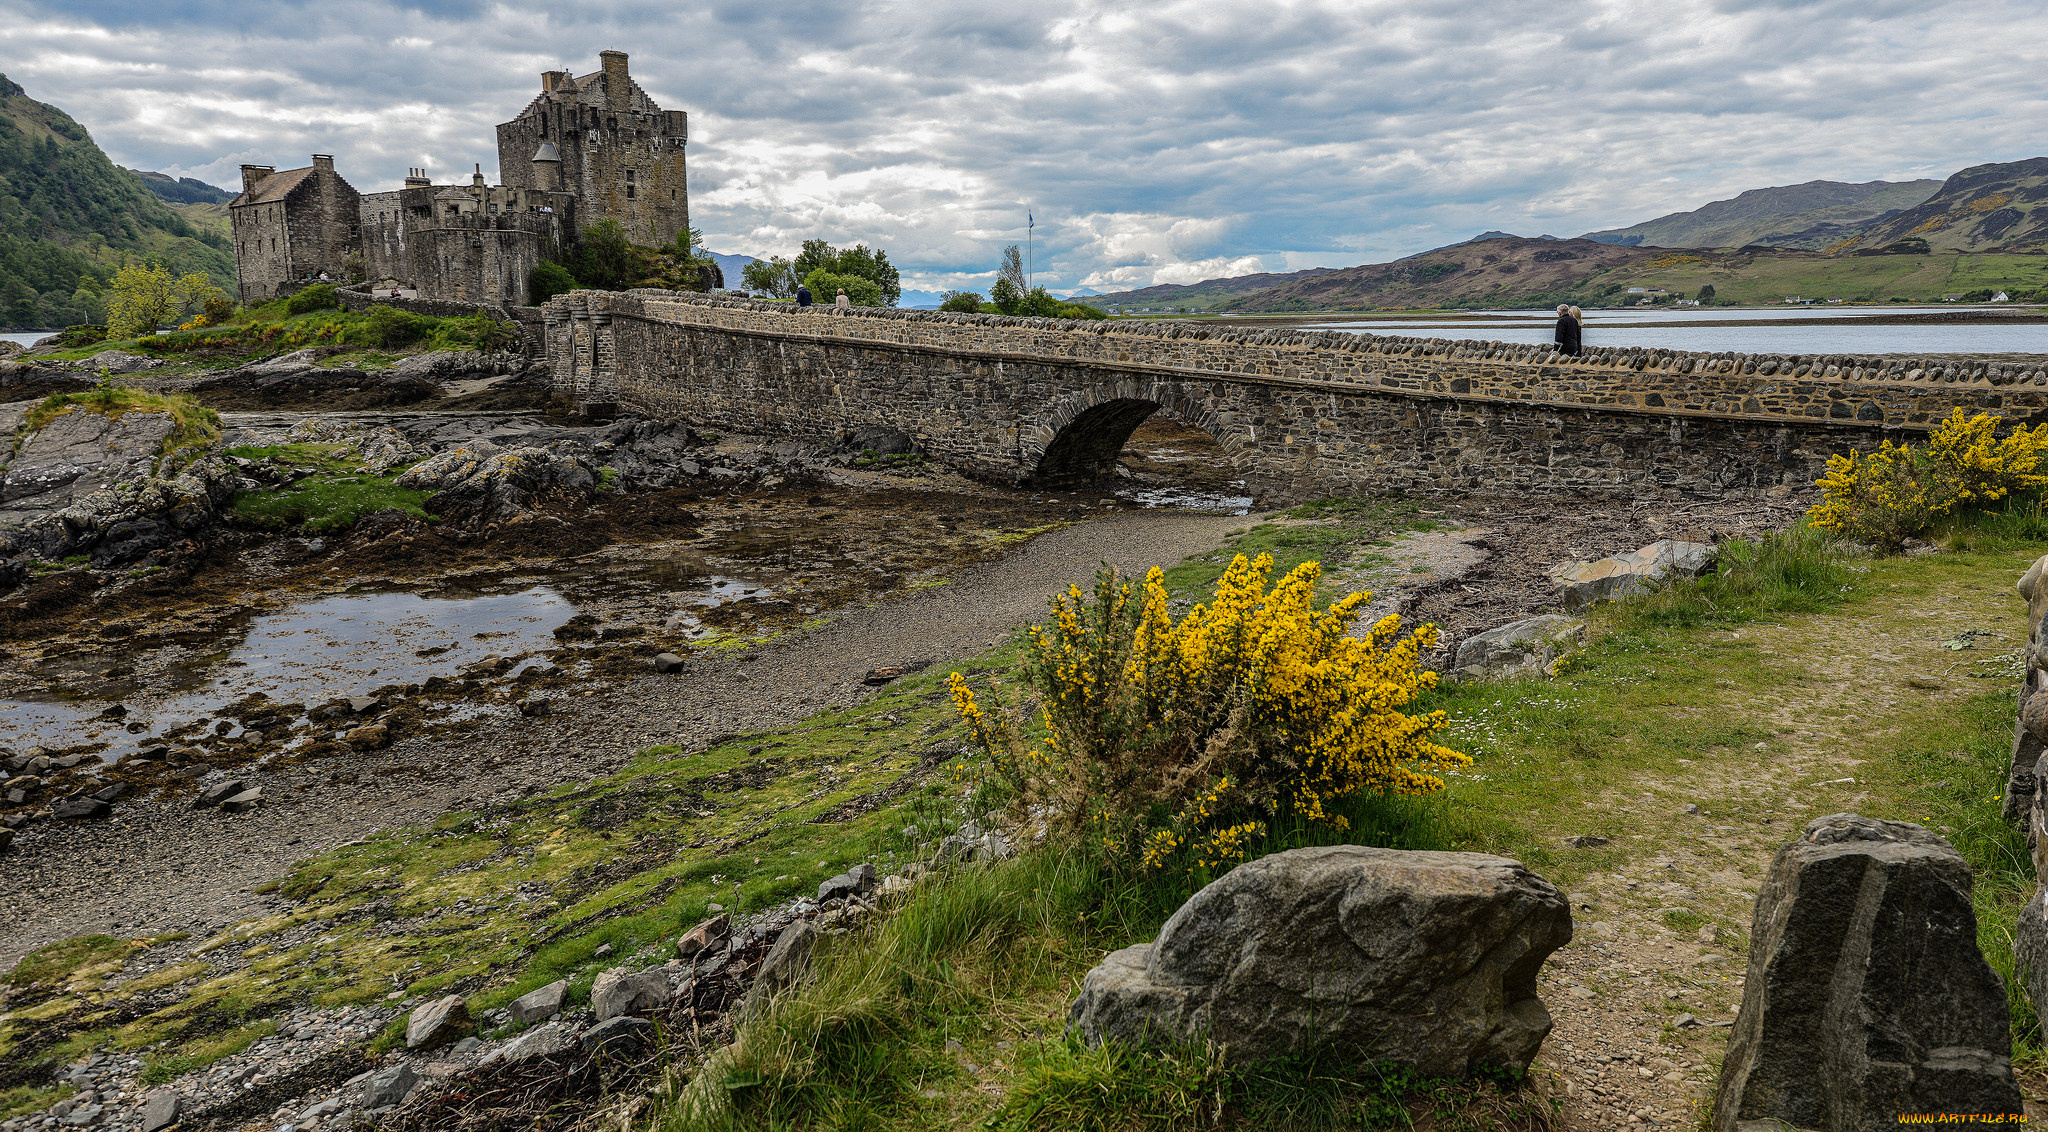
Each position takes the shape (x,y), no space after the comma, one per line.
(1299,413)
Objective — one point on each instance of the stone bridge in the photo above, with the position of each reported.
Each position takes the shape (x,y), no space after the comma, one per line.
(1299,414)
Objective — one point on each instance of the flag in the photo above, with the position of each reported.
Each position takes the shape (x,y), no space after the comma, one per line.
(1028,221)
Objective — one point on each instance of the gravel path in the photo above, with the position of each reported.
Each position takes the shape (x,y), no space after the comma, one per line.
(162,866)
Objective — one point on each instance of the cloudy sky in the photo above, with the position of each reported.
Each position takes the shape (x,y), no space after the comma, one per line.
(1165,142)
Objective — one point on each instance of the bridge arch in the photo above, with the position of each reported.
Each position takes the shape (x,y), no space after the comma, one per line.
(1079,438)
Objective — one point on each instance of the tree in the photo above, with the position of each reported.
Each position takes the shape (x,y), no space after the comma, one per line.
(1005,296)
(961,302)
(604,259)
(546,280)
(1012,271)
(826,285)
(858,261)
(775,277)
(147,295)
(1706,294)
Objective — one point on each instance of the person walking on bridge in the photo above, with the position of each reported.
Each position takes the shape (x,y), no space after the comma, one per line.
(842,304)
(803,295)
(1568,331)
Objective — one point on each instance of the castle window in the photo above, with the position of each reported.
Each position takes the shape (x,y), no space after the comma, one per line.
(611,123)
(629,190)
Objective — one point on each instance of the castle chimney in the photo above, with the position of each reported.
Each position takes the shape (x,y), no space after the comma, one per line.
(616,83)
(476,181)
(417,179)
(324,161)
(252,175)
(547,168)
(552,81)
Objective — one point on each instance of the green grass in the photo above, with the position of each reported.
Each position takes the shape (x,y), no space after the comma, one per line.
(1797,570)
(202,1052)
(333,499)
(193,426)
(1335,532)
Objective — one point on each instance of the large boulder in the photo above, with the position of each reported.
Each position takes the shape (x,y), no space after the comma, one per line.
(1582,584)
(1518,647)
(2030,940)
(1427,959)
(2030,725)
(77,453)
(1866,996)
(375,449)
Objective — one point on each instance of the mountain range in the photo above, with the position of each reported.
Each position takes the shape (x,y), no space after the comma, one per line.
(1846,240)
(69,217)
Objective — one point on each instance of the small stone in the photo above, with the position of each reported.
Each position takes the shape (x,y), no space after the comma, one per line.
(535,706)
(1603,929)
(1692,808)
(1585,842)
(368,736)
(786,961)
(363,704)
(389,1087)
(543,1002)
(603,950)
(219,792)
(616,993)
(857,881)
(244,802)
(707,936)
(466,1045)
(160,1111)
(1708,933)
(80,808)
(668,662)
(437,1023)
(109,793)
(623,1036)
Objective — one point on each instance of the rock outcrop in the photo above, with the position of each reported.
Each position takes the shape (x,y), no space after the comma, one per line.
(2030,723)
(1866,996)
(1427,959)
(91,484)
(1583,584)
(480,482)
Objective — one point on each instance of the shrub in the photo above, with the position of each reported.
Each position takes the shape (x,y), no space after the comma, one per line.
(1900,491)
(389,327)
(961,302)
(825,287)
(546,280)
(1186,741)
(306,300)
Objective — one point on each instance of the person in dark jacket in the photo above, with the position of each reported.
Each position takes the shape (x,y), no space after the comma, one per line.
(1567,331)
(803,295)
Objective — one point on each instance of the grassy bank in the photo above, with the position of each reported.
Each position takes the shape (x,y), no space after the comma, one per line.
(272,329)
(332,495)
(1799,683)
(193,425)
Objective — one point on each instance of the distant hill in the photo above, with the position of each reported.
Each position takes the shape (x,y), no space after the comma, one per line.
(1813,216)
(69,217)
(182,190)
(1209,294)
(1981,208)
(1501,272)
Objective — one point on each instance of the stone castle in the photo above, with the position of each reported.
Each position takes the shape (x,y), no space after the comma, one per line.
(586,149)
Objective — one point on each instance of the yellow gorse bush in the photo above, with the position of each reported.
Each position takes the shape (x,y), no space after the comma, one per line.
(1171,740)
(1900,491)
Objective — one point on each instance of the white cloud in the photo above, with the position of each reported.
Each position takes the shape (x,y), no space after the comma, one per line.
(1167,142)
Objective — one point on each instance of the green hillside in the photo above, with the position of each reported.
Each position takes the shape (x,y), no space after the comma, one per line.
(1982,208)
(69,217)
(1811,215)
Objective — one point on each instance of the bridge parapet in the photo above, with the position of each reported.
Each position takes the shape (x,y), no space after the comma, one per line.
(1299,412)
(1911,392)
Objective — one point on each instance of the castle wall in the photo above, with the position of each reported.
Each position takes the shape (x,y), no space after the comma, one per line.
(463,244)
(1301,414)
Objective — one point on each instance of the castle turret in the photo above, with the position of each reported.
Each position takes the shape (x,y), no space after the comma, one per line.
(252,175)
(547,168)
(617,86)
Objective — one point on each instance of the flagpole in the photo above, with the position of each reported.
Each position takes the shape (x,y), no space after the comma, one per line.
(1030,258)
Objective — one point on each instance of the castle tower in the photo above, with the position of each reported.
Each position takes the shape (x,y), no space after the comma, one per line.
(618,152)
(290,227)
(547,168)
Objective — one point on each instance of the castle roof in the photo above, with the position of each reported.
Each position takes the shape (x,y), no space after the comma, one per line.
(547,152)
(274,187)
